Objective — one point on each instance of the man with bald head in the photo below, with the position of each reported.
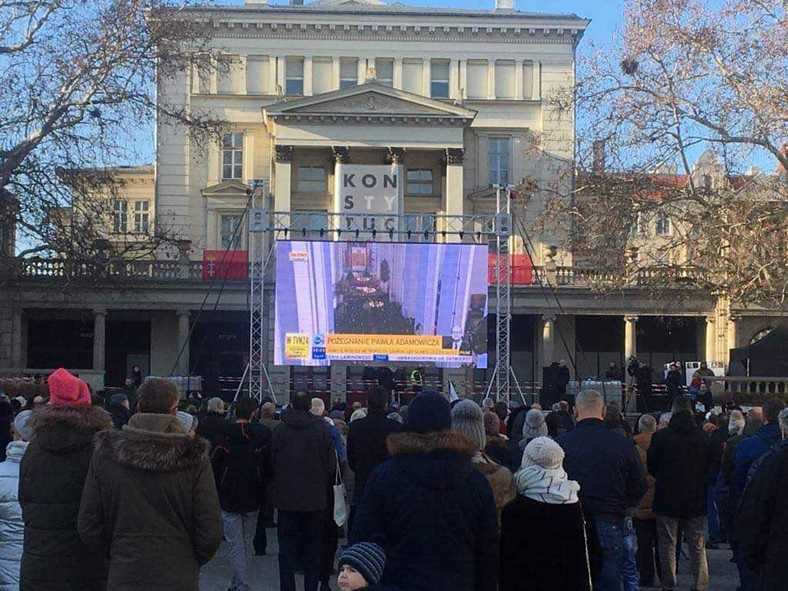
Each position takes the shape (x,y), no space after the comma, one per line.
(612,481)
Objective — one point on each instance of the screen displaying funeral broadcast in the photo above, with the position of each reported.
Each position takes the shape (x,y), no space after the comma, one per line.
(384,302)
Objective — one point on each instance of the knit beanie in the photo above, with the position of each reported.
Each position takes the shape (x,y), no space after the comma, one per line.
(367,558)
(534,425)
(22,425)
(543,452)
(492,424)
(467,419)
(428,412)
(67,390)
(186,420)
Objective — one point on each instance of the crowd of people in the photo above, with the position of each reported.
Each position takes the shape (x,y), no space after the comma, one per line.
(137,492)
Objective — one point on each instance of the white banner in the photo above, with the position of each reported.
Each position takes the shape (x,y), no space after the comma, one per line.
(372,194)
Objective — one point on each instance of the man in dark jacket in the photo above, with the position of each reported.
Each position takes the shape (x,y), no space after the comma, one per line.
(211,426)
(366,441)
(241,466)
(612,480)
(431,510)
(762,524)
(120,410)
(52,475)
(304,465)
(680,458)
(150,500)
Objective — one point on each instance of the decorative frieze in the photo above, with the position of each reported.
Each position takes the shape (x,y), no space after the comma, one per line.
(283,153)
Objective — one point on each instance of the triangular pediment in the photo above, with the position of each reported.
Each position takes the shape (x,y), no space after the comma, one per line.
(370,100)
(231,187)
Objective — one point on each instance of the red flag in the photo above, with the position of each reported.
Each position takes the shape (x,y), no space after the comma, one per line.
(225,264)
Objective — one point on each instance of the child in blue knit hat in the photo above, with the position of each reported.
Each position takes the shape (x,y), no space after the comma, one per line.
(360,566)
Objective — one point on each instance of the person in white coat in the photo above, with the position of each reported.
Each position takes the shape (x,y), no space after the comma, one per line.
(12,528)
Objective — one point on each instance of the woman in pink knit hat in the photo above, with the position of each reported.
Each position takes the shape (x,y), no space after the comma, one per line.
(53,472)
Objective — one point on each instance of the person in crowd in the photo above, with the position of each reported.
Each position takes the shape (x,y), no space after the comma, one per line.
(431,510)
(754,421)
(330,529)
(674,382)
(614,373)
(150,501)
(645,520)
(268,415)
(52,475)
(615,421)
(212,424)
(563,378)
(241,468)
(664,420)
(565,420)
(265,518)
(119,409)
(467,419)
(6,419)
(366,443)
(612,481)
(515,431)
(361,566)
(136,376)
(725,497)
(502,411)
(188,421)
(704,373)
(497,446)
(752,448)
(533,427)
(12,527)
(304,464)
(547,502)
(762,523)
(716,430)
(680,459)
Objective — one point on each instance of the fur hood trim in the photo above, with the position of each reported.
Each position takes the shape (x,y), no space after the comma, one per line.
(418,443)
(88,419)
(152,451)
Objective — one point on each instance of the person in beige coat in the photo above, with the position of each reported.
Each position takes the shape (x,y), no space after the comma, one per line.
(467,419)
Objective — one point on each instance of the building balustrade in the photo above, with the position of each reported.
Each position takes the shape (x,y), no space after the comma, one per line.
(179,270)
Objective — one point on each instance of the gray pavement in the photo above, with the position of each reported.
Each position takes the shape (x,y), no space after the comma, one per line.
(216,575)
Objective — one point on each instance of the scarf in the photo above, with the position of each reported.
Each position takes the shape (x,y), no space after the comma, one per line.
(546,486)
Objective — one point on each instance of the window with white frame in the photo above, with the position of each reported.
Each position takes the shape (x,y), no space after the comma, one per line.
(294,76)
(348,72)
(229,231)
(662,224)
(311,179)
(141,217)
(384,70)
(120,216)
(232,156)
(439,72)
(419,181)
(499,152)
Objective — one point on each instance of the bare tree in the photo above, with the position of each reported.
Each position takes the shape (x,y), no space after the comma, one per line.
(686,77)
(79,91)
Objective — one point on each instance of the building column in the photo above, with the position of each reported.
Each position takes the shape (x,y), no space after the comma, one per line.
(281,65)
(397,79)
(308,75)
(454,80)
(710,352)
(17,342)
(518,80)
(184,321)
(283,161)
(732,338)
(491,78)
(99,339)
(630,337)
(548,339)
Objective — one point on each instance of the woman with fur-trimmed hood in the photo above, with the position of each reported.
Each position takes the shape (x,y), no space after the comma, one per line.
(150,500)
(52,474)
(430,509)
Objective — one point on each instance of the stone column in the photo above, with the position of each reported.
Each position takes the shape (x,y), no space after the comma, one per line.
(184,320)
(732,338)
(455,194)
(308,75)
(397,80)
(283,162)
(518,80)
(99,339)
(710,352)
(630,337)
(548,339)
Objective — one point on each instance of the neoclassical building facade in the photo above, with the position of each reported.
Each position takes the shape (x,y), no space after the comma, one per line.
(459,99)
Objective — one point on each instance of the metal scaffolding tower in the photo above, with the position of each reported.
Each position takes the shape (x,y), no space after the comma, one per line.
(503,296)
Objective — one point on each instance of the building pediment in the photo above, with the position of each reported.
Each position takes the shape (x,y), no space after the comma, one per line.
(226,188)
(369,103)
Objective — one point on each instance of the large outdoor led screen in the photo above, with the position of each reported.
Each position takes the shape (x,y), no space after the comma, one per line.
(381,302)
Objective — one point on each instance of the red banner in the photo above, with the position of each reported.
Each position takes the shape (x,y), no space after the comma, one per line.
(522,272)
(225,264)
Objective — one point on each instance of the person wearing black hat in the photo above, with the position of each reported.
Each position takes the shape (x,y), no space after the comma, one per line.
(360,566)
(429,508)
